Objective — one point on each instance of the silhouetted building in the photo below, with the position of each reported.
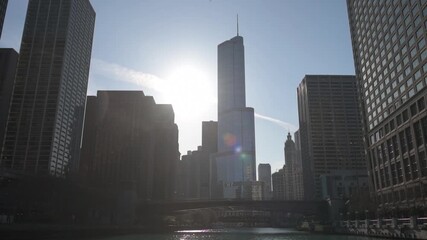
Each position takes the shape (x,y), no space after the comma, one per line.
(3,7)
(190,175)
(264,175)
(209,148)
(46,112)
(8,62)
(235,161)
(130,143)
(390,56)
(293,172)
(330,128)
(278,185)
(298,181)
(195,169)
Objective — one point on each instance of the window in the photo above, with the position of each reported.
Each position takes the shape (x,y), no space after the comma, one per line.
(420,104)
(418,134)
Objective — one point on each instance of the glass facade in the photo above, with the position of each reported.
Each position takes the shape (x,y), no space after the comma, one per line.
(389,47)
(235,161)
(45,122)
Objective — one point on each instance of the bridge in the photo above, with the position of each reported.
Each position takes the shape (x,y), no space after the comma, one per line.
(318,208)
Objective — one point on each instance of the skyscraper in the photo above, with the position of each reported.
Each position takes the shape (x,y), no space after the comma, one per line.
(130,142)
(195,171)
(390,57)
(330,129)
(298,183)
(264,175)
(293,172)
(46,114)
(235,160)
(278,185)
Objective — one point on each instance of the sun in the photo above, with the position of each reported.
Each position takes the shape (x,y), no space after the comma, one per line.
(190,92)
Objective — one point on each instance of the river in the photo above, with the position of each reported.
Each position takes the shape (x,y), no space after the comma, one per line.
(238,234)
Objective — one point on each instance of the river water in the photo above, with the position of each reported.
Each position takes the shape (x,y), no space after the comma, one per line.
(238,234)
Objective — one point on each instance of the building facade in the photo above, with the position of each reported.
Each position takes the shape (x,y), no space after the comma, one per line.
(278,185)
(390,56)
(292,171)
(46,113)
(195,171)
(8,62)
(235,160)
(330,128)
(130,143)
(264,176)
(298,181)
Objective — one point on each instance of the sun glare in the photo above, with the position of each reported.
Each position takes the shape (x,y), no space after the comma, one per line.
(190,92)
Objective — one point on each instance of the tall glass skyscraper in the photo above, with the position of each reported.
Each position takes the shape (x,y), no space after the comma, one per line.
(46,114)
(235,161)
(390,57)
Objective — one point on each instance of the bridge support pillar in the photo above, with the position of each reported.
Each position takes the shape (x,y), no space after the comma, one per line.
(394,222)
(379,223)
(413,221)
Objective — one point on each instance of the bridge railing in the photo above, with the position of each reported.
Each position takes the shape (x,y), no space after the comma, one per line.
(390,223)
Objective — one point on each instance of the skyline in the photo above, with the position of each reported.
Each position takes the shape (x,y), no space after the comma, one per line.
(143,49)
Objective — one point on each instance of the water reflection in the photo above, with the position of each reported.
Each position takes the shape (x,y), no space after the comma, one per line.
(238,234)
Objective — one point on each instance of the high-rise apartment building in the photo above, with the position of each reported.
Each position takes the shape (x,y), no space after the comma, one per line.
(264,176)
(46,112)
(390,57)
(130,142)
(235,161)
(3,7)
(330,128)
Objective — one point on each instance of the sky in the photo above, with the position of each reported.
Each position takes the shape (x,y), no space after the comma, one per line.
(168,49)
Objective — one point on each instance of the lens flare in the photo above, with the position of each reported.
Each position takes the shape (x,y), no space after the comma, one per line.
(229,139)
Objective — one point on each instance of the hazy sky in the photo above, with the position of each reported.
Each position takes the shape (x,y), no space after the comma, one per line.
(168,49)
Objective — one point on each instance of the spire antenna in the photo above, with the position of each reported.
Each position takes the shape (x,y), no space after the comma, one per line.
(237,24)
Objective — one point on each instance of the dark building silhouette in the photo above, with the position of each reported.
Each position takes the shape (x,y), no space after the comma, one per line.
(293,185)
(190,174)
(390,57)
(130,142)
(209,147)
(330,129)
(278,185)
(264,176)
(8,61)
(3,7)
(46,112)
(196,170)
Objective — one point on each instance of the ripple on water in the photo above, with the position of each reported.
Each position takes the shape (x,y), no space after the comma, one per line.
(238,234)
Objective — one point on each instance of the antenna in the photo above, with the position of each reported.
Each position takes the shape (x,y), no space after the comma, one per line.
(237,24)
